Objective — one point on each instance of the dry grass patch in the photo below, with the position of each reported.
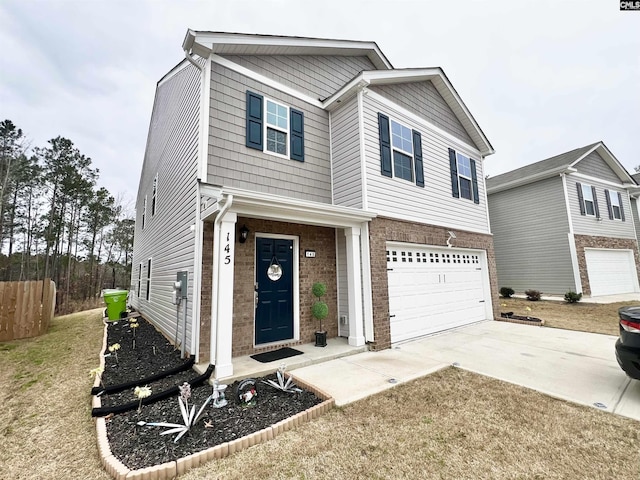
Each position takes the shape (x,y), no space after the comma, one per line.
(585,317)
(452,424)
(46,430)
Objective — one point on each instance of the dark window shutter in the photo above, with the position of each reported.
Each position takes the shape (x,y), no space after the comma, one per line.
(385,145)
(581,199)
(254,120)
(296,121)
(417,155)
(474,179)
(621,209)
(609,208)
(595,202)
(453,165)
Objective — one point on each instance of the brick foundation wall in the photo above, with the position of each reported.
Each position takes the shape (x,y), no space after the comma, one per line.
(587,241)
(382,230)
(322,268)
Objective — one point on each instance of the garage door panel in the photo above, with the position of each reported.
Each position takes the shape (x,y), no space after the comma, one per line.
(611,271)
(431,290)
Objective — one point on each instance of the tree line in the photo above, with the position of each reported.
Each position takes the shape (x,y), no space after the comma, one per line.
(55,222)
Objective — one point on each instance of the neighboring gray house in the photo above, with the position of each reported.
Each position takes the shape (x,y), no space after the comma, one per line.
(276,162)
(565,224)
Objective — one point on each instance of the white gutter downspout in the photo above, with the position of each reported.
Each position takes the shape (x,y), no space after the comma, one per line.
(215,274)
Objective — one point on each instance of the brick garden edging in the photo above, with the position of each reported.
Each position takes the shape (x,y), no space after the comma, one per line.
(119,471)
(521,322)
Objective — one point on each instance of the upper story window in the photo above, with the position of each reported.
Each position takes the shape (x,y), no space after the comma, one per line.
(139,278)
(153,195)
(464,178)
(274,128)
(588,200)
(148,292)
(614,205)
(400,151)
(144,211)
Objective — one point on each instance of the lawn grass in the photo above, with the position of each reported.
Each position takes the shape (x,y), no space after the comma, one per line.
(451,424)
(585,317)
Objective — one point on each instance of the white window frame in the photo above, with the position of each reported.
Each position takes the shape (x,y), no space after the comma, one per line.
(277,128)
(466,177)
(615,202)
(144,212)
(148,292)
(587,189)
(139,278)
(154,195)
(400,149)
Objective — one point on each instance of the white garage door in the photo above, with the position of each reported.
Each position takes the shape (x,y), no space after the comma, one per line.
(611,271)
(432,289)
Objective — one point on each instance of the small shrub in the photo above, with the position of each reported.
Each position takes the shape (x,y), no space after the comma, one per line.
(506,292)
(533,295)
(572,297)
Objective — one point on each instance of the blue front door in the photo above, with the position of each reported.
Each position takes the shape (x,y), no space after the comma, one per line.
(274,288)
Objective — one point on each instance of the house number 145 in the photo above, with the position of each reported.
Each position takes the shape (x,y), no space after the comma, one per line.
(227,249)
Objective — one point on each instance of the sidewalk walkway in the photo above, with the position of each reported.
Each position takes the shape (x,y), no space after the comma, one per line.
(575,366)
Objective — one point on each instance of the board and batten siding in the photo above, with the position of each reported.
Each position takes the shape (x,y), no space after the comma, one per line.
(433,204)
(594,166)
(171,153)
(342,276)
(530,230)
(423,99)
(345,143)
(318,75)
(588,224)
(232,164)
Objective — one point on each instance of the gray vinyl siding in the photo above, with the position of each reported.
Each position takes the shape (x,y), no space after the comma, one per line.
(166,238)
(424,100)
(594,166)
(587,224)
(345,141)
(343,295)
(530,237)
(232,164)
(320,76)
(433,204)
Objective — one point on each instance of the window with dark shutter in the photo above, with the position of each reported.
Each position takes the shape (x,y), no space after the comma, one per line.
(385,145)
(474,179)
(607,197)
(417,155)
(581,199)
(621,207)
(453,166)
(297,135)
(254,120)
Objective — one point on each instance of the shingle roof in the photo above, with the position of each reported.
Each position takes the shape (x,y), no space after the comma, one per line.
(549,164)
(636,177)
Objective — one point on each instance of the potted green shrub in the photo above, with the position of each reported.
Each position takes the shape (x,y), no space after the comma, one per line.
(320,310)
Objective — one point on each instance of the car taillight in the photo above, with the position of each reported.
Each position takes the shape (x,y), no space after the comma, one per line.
(633,327)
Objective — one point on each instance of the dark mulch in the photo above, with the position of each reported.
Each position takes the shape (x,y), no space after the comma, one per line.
(139,447)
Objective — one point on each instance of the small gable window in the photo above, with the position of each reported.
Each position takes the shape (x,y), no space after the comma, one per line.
(614,205)
(275,128)
(400,151)
(588,200)
(144,211)
(153,195)
(464,178)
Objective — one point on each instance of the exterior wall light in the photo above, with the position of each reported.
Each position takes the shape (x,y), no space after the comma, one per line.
(244,234)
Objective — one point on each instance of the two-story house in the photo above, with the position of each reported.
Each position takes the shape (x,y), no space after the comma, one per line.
(276,162)
(565,224)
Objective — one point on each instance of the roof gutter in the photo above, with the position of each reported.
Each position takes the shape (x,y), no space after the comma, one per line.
(530,179)
(189,57)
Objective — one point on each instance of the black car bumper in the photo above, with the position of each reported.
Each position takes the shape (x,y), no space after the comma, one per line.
(628,359)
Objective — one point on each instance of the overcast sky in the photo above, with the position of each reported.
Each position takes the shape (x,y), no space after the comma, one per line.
(540,76)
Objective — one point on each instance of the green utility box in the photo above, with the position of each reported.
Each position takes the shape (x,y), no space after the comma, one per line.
(116,301)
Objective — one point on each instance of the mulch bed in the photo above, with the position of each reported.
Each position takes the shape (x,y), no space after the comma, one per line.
(521,319)
(143,446)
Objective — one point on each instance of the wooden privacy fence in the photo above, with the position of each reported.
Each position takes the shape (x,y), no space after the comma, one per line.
(26,308)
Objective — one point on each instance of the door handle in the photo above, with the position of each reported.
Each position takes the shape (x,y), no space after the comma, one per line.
(255,298)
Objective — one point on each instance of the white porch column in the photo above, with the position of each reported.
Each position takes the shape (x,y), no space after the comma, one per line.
(354,287)
(223,287)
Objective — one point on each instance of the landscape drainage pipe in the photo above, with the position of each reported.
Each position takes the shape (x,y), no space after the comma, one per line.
(156,397)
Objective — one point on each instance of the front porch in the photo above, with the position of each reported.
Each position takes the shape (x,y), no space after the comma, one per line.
(247,367)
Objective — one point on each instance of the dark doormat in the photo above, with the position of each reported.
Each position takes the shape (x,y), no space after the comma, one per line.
(276,355)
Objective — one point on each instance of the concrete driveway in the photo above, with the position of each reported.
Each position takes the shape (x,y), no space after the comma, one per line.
(575,366)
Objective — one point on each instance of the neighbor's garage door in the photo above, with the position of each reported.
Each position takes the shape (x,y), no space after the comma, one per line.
(610,271)
(433,289)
